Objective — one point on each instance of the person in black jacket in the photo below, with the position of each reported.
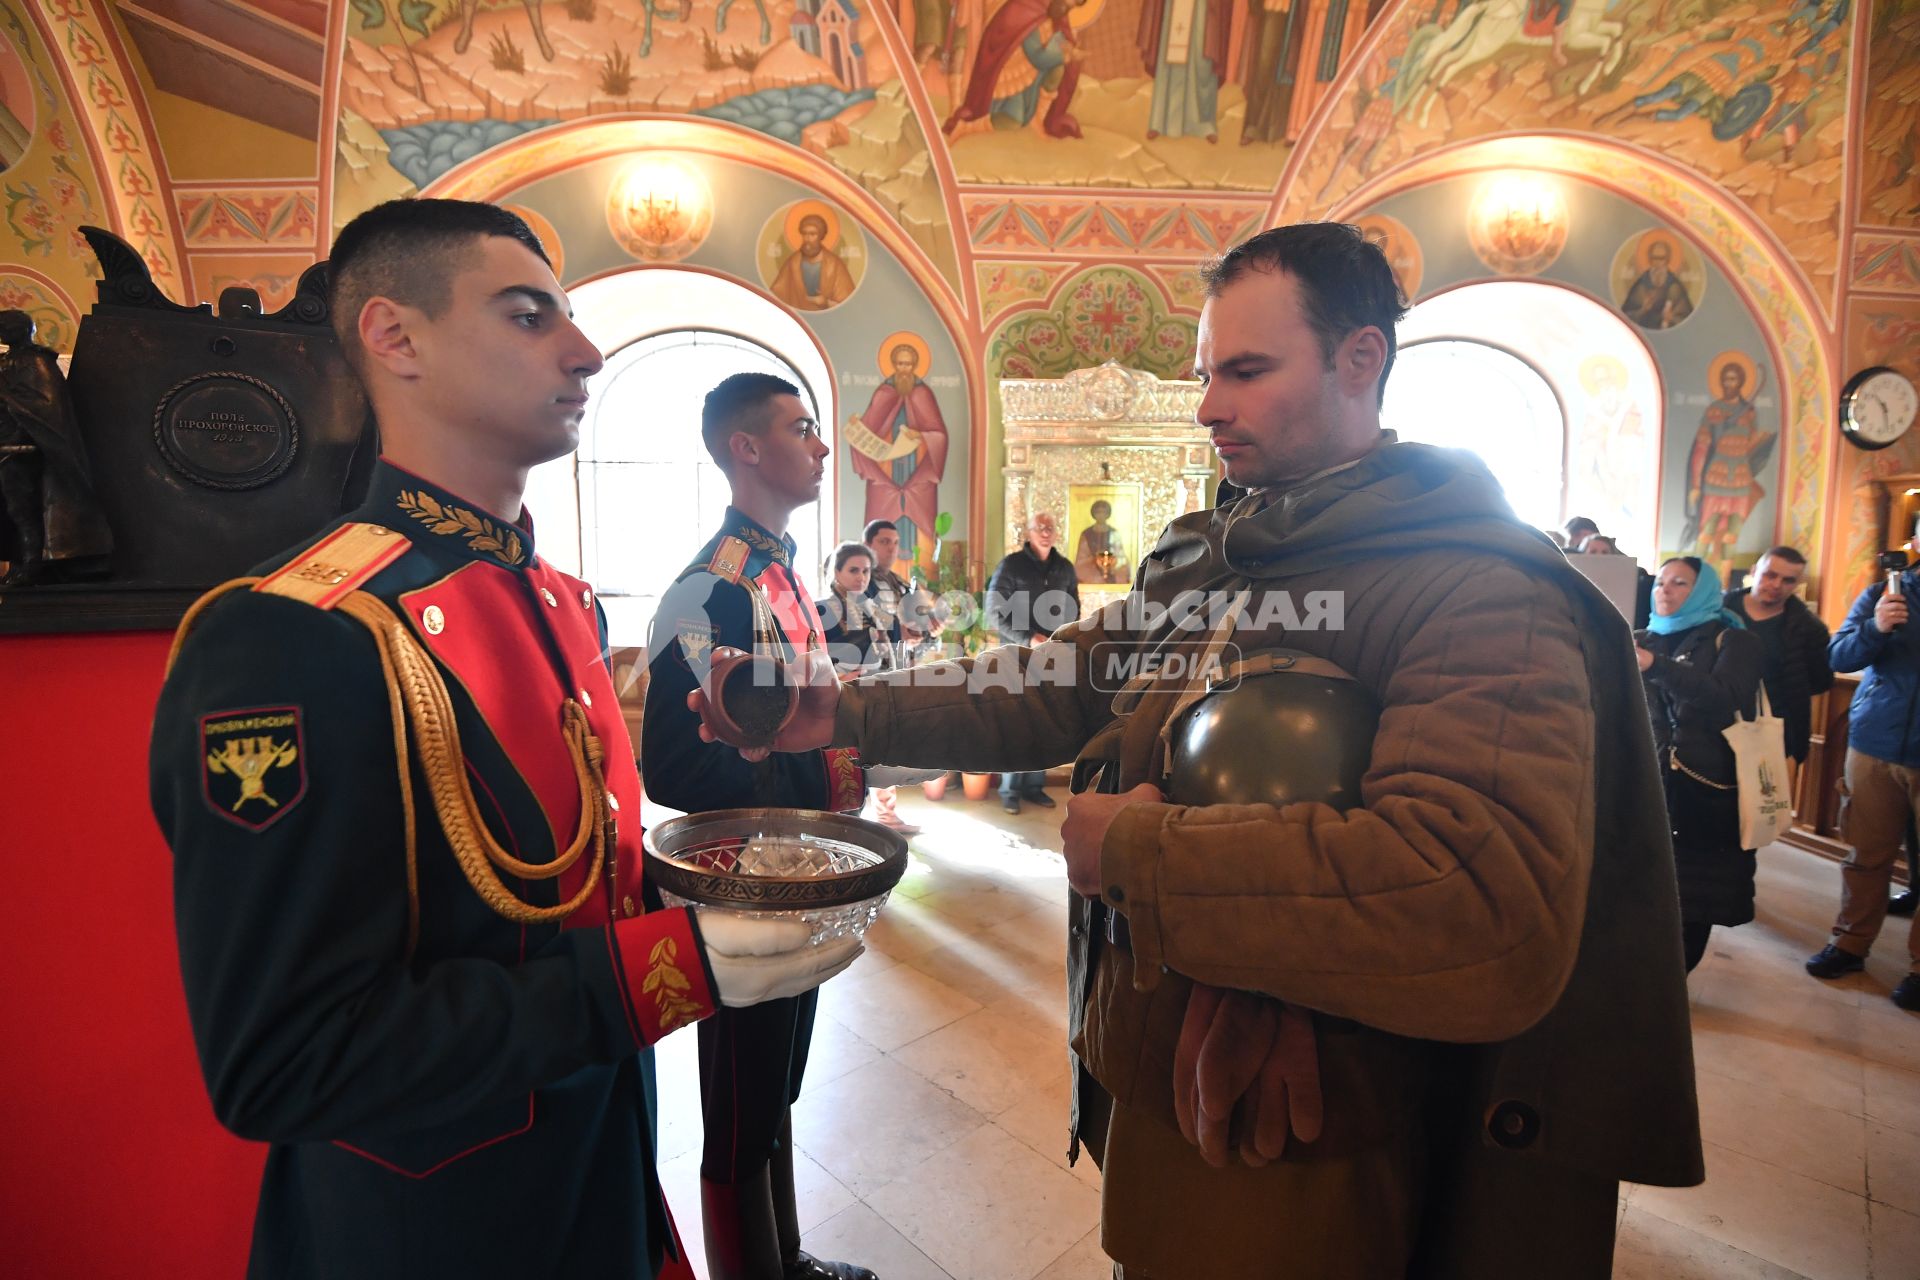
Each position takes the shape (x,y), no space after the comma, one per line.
(1701,670)
(1792,638)
(858,639)
(1033,592)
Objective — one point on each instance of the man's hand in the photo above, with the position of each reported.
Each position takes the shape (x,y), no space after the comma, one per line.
(812,723)
(1889,613)
(1246,1074)
(1089,814)
(1643,656)
(763,959)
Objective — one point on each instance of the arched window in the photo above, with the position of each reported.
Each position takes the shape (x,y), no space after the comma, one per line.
(650,493)
(630,508)
(1556,392)
(1468,395)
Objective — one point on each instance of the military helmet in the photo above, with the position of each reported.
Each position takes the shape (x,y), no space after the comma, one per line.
(1279,727)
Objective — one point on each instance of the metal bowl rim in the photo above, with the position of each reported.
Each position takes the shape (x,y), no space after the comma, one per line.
(892,846)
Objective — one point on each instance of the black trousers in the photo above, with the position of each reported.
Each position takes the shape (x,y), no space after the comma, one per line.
(1693,941)
(751,1062)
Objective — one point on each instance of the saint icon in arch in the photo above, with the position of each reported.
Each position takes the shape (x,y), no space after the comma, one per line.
(899,446)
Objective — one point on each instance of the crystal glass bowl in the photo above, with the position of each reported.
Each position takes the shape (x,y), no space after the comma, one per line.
(830,871)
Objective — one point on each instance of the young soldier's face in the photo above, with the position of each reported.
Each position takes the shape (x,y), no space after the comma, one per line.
(1271,405)
(505,362)
(793,457)
(886,545)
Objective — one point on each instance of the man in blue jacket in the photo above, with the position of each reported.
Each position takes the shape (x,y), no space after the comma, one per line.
(1883,773)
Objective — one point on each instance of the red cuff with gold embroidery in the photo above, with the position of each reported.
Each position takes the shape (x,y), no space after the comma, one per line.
(846,779)
(662,972)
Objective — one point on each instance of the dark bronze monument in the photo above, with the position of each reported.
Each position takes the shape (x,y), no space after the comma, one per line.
(211,439)
(51,528)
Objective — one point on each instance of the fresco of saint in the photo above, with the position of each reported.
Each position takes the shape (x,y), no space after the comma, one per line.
(899,447)
(813,277)
(1729,452)
(1022,49)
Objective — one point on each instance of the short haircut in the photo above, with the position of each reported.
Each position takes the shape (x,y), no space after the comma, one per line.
(845,552)
(1345,282)
(1580,523)
(739,404)
(1790,554)
(410,251)
(874,527)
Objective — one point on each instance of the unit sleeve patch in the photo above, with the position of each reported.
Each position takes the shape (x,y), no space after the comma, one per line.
(253,764)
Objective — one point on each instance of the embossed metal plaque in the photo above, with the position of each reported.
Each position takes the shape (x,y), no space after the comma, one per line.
(226,430)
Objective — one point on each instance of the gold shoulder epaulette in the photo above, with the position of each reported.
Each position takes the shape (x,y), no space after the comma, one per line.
(729,559)
(327,572)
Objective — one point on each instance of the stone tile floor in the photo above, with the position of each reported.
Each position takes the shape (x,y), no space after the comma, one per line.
(933,1126)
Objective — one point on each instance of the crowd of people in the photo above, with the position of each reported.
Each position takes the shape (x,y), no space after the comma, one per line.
(1426,1030)
(1705,655)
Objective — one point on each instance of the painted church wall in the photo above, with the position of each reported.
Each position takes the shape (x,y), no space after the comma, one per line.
(1694,330)
(883,319)
(49,185)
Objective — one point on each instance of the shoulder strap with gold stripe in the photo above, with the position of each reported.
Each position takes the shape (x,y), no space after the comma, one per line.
(327,575)
(729,562)
(327,572)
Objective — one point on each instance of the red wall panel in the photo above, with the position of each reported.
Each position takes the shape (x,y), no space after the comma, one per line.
(113,1163)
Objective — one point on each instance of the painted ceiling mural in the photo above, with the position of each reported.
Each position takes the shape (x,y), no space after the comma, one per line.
(49,189)
(1013,147)
(1750,94)
(429,84)
(1208,94)
(1890,133)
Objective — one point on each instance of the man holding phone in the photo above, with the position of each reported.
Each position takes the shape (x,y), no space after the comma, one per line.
(1882,769)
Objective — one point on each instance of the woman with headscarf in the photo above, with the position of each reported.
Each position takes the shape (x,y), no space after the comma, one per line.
(1701,669)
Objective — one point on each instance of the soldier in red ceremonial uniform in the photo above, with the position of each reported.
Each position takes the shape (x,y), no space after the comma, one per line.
(418,953)
(741,591)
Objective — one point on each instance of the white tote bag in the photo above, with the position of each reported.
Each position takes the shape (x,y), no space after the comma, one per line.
(1760,767)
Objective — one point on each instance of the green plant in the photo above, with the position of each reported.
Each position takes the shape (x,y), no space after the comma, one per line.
(710,56)
(505,54)
(616,73)
(744,58)
(967,630)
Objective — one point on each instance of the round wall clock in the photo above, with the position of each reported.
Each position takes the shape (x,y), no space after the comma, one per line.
(1877,406)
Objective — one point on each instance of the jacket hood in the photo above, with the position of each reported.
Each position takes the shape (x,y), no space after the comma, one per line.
(1399,498)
